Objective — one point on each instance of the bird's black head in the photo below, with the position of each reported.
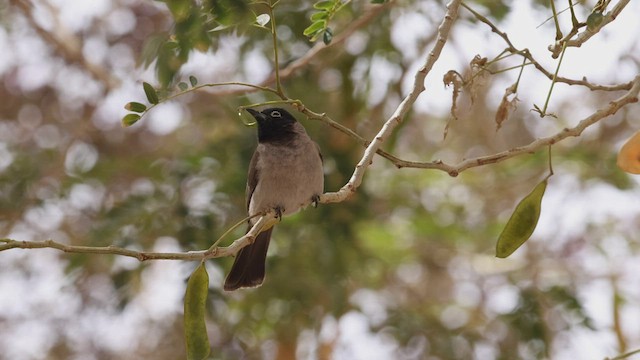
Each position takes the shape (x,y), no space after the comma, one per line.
(274,125)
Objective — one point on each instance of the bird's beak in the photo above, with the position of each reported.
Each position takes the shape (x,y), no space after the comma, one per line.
(256,114)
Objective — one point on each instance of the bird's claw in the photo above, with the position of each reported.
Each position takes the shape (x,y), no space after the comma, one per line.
(279,211)
(315,199)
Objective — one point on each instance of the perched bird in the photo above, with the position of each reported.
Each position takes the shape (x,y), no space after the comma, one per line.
(285,174)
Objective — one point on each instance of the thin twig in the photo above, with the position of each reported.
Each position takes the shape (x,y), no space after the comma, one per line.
(544,113)
(245,87)
(625,356)
(276,60)
(318,48)
(214,252)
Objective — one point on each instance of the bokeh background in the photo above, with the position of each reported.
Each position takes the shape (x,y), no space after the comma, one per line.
(403,270)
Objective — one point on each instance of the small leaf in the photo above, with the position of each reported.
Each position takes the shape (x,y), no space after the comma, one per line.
(151,93)
(378,1)
(135,107)
(322,15)
(180,9)
(327,36)
(195,329)
(522,223)
(263,19)
(193,80)
(130,119)
(323,5)
(314,28)
(183,86)
(594,20)
(629,155)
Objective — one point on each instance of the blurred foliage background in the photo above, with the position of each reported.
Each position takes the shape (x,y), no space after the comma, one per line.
(402,270)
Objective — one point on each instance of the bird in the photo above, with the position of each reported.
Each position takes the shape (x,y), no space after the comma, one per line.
(285,174)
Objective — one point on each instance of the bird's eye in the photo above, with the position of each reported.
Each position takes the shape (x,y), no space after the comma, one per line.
(276,114)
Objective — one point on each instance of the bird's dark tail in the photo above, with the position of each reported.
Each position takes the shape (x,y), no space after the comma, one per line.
(248,267)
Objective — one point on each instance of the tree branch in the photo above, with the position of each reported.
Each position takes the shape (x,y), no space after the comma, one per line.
(556,48)
(372,147)
(526,54)
(630,97)
(211,253)
(397,117)
(268,219)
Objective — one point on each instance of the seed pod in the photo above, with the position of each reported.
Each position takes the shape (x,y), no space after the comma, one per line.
(522,223)
(195,329)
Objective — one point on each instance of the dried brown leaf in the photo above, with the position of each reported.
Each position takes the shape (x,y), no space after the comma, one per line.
(454,78)
(478,76)
(507,105)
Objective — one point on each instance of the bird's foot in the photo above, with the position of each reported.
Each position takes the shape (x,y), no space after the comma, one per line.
(315,199)
(279,211)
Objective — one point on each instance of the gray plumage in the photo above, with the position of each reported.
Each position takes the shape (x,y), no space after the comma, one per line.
(285,174)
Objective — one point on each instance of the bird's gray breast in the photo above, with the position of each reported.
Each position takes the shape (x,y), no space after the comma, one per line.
(289,175)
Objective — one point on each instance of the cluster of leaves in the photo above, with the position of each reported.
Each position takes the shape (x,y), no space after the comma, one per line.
(154,97)
(325,11)
(195,25)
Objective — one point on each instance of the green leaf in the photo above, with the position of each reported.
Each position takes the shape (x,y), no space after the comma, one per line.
(327,36)
(130,119)
(193,80)
(594,20)
(522,223)
(315,28)
(136,107)
(321,15)
(183,86)
(180,9)
(195,329)
(323,5)
(263,19)
(151,93)
(378,1)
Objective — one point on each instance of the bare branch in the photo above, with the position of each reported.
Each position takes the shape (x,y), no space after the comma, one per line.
(336,125)
(556,48)
(630,97)
(214,252)
(526,54)
(396,118)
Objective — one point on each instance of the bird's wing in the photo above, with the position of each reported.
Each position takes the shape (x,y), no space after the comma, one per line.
(319,153)
(252,177)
